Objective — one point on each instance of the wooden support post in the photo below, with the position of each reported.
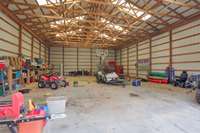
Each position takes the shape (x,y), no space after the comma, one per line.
(49,55)
(77,59)
(120,56)
(13,17)
(137,73)
(127,61)
(150,54)
(170,48)
(63,59)
(45,54)
(32,48)
(10,78)
(20,42)
(115,55)
(40,50)
(91,61)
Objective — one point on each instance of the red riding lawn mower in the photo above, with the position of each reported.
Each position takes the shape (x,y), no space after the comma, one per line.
(52,80)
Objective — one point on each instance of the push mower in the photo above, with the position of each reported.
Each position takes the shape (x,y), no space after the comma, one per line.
(52,80)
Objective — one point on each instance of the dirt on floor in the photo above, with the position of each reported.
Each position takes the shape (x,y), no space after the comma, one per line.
(98,108)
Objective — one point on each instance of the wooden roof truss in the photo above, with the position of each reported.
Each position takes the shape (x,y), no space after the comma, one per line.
(104,23)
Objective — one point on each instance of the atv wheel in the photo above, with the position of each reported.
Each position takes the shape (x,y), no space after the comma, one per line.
(198,96)
(54,86)
(63,83)
(41,84)
(98,79)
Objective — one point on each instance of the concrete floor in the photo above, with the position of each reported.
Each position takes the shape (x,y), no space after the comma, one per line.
(98,108)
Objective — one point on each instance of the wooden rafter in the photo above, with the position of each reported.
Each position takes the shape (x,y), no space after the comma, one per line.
(87,31)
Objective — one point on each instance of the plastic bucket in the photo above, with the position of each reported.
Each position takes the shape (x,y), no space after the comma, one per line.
(56,105)
(33,126)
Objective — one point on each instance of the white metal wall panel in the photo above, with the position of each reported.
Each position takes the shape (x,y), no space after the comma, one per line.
(132,61)
(26,44)
(118,57)
(8,23)
(84,59)
(160,52)
(70,59)
(184,58)
(36,46)
(111,56)
(9,39)
(95,61)
(189,48)
(186,41)
(47,55)
(143,53)
(188,26)
(160,60)
(9,33)
(43,52)
(124,60)
(186,48)
(187,66)
(56,57)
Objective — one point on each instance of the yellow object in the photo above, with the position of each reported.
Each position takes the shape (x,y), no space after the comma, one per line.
(31,106)
(48,94)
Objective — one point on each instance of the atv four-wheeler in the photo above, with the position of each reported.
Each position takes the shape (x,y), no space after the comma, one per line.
(53,81)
